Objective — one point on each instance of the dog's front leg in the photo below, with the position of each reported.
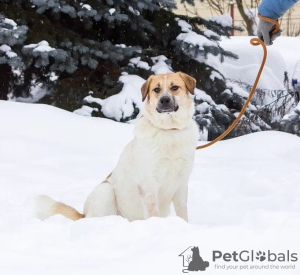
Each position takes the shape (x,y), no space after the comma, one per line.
(149,198)
(180,202)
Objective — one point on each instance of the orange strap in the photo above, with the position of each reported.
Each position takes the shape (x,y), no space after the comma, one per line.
(254,42)
(276,27)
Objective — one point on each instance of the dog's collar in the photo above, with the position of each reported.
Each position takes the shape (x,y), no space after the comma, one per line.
(172,129)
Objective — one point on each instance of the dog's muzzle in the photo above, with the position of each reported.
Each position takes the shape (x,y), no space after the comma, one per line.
(166,104)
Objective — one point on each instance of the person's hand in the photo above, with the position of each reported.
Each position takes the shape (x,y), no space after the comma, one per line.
(265,31)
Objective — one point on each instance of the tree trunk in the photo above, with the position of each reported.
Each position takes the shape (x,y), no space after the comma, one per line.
(248,21)
(5,73)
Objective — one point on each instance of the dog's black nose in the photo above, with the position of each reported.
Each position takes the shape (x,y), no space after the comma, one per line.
(166,104)
(165,100)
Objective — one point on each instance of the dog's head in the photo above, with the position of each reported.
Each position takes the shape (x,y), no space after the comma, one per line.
(168,99)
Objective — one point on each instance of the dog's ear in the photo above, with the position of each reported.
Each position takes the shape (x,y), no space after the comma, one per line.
(189,82)
(145,88)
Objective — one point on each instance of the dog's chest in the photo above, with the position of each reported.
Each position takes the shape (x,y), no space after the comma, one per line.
(170,155)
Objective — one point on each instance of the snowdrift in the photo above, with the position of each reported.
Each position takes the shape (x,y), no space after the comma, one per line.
(243,195)
(246,67)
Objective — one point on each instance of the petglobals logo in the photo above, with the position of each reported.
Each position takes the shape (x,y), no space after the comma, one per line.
(253,260)
(246,256)
(192,261)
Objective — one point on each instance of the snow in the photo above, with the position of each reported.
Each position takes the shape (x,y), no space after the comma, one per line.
(11,54)
(295,113)
(53,76)
(185,27)
(10,22)
(120,106)
(282,55)
(224,20)
(201,95)
(195,39)
(138,63)
(296,74)
(252,14)
(203,107)
(91,99)
(7,50)
(214,75)
(246,67)
(288,48)
(236,89)
(122,46)
(85,111)
(160,66)
(112,11)
(42,46)
(135,12)
(192,37)
(86,6)
(243,195)
(210,33)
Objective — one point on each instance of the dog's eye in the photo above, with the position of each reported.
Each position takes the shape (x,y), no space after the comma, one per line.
(157,90)
(174,88)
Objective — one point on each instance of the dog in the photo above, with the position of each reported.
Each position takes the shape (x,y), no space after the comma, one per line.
(154,168)
(197,262)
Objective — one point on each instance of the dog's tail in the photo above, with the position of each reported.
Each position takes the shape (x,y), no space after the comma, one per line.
(47,207)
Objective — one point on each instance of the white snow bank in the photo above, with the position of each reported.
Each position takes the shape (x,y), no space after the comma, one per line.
(282,56)
(288,47)
(246,67)
(243,195)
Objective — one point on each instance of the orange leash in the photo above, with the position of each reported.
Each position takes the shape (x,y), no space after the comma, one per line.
(254,42)
(276,27)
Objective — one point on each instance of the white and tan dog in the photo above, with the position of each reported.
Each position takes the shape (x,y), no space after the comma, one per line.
(154,168)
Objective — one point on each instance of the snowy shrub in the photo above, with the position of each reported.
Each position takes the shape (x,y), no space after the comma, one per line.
(291,122)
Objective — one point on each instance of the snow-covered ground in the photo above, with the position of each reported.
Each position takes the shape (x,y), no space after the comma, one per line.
(244,194)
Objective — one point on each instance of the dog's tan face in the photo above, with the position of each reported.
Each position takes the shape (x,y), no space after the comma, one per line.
(168,101)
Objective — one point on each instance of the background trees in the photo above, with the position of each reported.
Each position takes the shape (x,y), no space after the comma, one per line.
(91,56)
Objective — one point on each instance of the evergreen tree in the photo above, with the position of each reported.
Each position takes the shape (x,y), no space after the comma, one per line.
(81,51)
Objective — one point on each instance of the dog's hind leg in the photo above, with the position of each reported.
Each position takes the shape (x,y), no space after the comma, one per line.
(101,202)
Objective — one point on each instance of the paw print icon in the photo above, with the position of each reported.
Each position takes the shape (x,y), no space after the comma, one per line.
(261,256)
